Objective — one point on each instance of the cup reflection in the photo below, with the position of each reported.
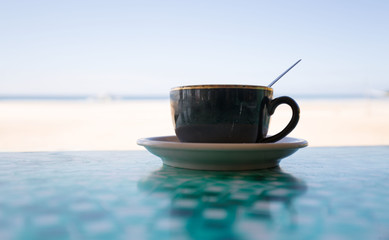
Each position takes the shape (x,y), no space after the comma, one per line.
(225,205)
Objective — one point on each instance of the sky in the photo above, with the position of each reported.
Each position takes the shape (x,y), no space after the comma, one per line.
(147,47)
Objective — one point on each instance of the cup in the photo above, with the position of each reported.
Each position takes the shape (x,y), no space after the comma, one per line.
(227,113)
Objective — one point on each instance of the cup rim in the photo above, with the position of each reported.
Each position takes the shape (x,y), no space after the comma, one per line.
(211,86)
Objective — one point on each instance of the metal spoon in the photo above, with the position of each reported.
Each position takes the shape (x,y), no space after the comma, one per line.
(287,70)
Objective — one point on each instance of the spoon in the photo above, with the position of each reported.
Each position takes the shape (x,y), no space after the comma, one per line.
(282,74)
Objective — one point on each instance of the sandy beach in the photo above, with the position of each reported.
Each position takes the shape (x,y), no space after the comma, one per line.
(116,125)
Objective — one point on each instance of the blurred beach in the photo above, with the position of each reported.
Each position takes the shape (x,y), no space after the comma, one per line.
(59,125)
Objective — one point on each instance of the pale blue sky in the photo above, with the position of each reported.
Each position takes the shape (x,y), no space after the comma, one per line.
(147,47)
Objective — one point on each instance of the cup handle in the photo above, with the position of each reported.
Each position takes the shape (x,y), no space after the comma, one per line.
(292,123)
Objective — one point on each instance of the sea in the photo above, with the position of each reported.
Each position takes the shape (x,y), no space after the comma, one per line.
(108,97)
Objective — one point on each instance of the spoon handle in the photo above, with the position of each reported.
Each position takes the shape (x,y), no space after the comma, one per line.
(282,74)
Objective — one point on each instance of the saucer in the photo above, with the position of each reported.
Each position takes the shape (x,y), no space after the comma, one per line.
(221,156)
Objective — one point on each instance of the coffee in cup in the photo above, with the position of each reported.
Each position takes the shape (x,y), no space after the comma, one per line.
(227,113)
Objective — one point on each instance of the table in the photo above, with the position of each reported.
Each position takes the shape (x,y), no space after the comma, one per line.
(317,193)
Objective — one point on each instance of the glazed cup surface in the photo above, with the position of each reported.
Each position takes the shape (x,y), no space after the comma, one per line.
(221,113)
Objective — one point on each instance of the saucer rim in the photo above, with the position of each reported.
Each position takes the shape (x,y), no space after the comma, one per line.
(171,141)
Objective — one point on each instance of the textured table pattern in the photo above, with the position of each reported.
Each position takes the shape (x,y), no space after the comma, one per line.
(318,193)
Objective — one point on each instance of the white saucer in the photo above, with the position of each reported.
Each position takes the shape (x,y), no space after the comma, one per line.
(221,156)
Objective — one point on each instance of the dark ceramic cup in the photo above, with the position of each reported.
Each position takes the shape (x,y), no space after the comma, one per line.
(227,113)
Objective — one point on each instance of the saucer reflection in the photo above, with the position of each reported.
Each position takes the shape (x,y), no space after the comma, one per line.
(225,205)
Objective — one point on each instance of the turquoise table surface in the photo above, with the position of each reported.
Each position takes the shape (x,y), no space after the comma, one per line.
(317,193)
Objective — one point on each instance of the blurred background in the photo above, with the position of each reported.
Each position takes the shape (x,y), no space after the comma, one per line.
(95,75)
